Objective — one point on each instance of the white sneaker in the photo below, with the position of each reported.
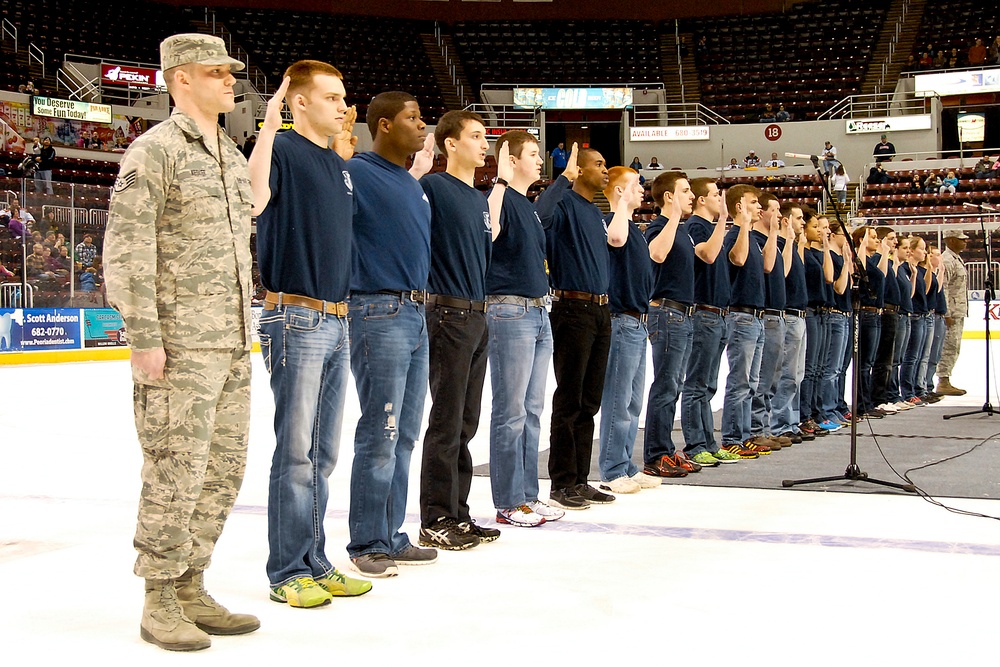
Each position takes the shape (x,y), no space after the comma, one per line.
(621,485)
(646,481)
(903,405)
(520,516)
(886,407)
(546,512)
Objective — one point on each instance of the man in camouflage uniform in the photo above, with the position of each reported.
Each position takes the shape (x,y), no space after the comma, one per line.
(957,297)
(177,254)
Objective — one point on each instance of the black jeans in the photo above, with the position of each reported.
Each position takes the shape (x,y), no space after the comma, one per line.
(581,337)
(882,369)
(458,354)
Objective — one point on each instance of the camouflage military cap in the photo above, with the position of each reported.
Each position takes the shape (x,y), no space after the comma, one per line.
(195,48)
(954,234)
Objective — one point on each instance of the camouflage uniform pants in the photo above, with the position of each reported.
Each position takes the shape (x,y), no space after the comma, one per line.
(952,345)
(193,428)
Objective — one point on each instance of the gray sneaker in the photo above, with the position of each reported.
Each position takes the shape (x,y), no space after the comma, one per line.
(412,555)
(375,566)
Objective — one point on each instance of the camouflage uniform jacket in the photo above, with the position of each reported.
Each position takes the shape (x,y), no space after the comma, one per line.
(177,248)
(956,292)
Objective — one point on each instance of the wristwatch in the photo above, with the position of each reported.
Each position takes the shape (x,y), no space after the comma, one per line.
(501,181)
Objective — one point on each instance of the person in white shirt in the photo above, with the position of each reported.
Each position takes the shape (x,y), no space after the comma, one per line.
(774,161)
(829,155)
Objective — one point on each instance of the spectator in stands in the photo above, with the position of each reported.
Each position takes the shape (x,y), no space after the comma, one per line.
(916,184)
(5,272)
(50,240)
(952,63)
(950,184)
(926,60)
(29,89)
(636,164)
(782,116)
(993,53)
(248,146)
(92,141)
(877,175)
(654,164)
(768,115)
(829,156)
(839,184)
(912,64)
(37,268)
(63,260)
(701,48)
(954,54)
(751,160)
(52,263)
(774,162)
(559,157)
(733,164)
(86,252)
(932,183)
(940,60)
(45,157)
(884,150)
(984,168)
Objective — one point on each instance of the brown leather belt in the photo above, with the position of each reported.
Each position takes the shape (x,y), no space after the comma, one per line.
(796,313)
(756,312)
(775,312)
(599,299)
(890,308)
(675,305)
(273,300)
(711,309)
(415,295)
(870,309)
(835,311)
(455,302)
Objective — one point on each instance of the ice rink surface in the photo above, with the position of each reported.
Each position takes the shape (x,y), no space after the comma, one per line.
(676,575)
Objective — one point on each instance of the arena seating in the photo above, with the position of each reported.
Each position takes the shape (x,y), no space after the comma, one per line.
(955,24)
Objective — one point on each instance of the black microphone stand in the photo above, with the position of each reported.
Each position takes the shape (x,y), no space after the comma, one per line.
(987,298)
(853,473)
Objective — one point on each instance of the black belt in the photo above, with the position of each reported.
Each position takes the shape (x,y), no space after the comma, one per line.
(870,309)
(416,295)
(455,302)
(642,317)
(796,313)
(889,308)
(756,312)
(599,299)
(711,309)
(776,313)
(676,305)
(832,310)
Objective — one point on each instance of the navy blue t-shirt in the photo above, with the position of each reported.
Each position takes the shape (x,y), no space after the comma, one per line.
(874,295)
(903,281)
(631,272)
(392,227)
(796,295)
(774,282)
(518,264)
(940,304)
(920,295)
(890,293)
(674,277)
(304,235)
(747,281)
(819,291)
(711,281)
(840,301)
(577,242)
(461,237)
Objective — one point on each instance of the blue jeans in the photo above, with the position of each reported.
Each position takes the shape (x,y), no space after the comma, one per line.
(670,340)
(389,359)
(936,348)
(817,346)
(520,352)
(909,385)
(869,333)
(707,344)
(898,350)
(621,402)
(842,407)
(772,357)
(743,351)
(785,403)
(307,354)
(830,383)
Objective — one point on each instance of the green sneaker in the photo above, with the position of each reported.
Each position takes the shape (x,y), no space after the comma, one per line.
(339,586)
(725,456)
(705,459)
(303,592)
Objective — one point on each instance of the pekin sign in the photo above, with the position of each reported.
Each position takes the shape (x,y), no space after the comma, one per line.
(136,77)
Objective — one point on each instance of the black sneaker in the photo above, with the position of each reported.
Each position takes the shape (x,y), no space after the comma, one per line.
(568,499)
(447,533)
(412,555)
(593,495)
(484,534)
